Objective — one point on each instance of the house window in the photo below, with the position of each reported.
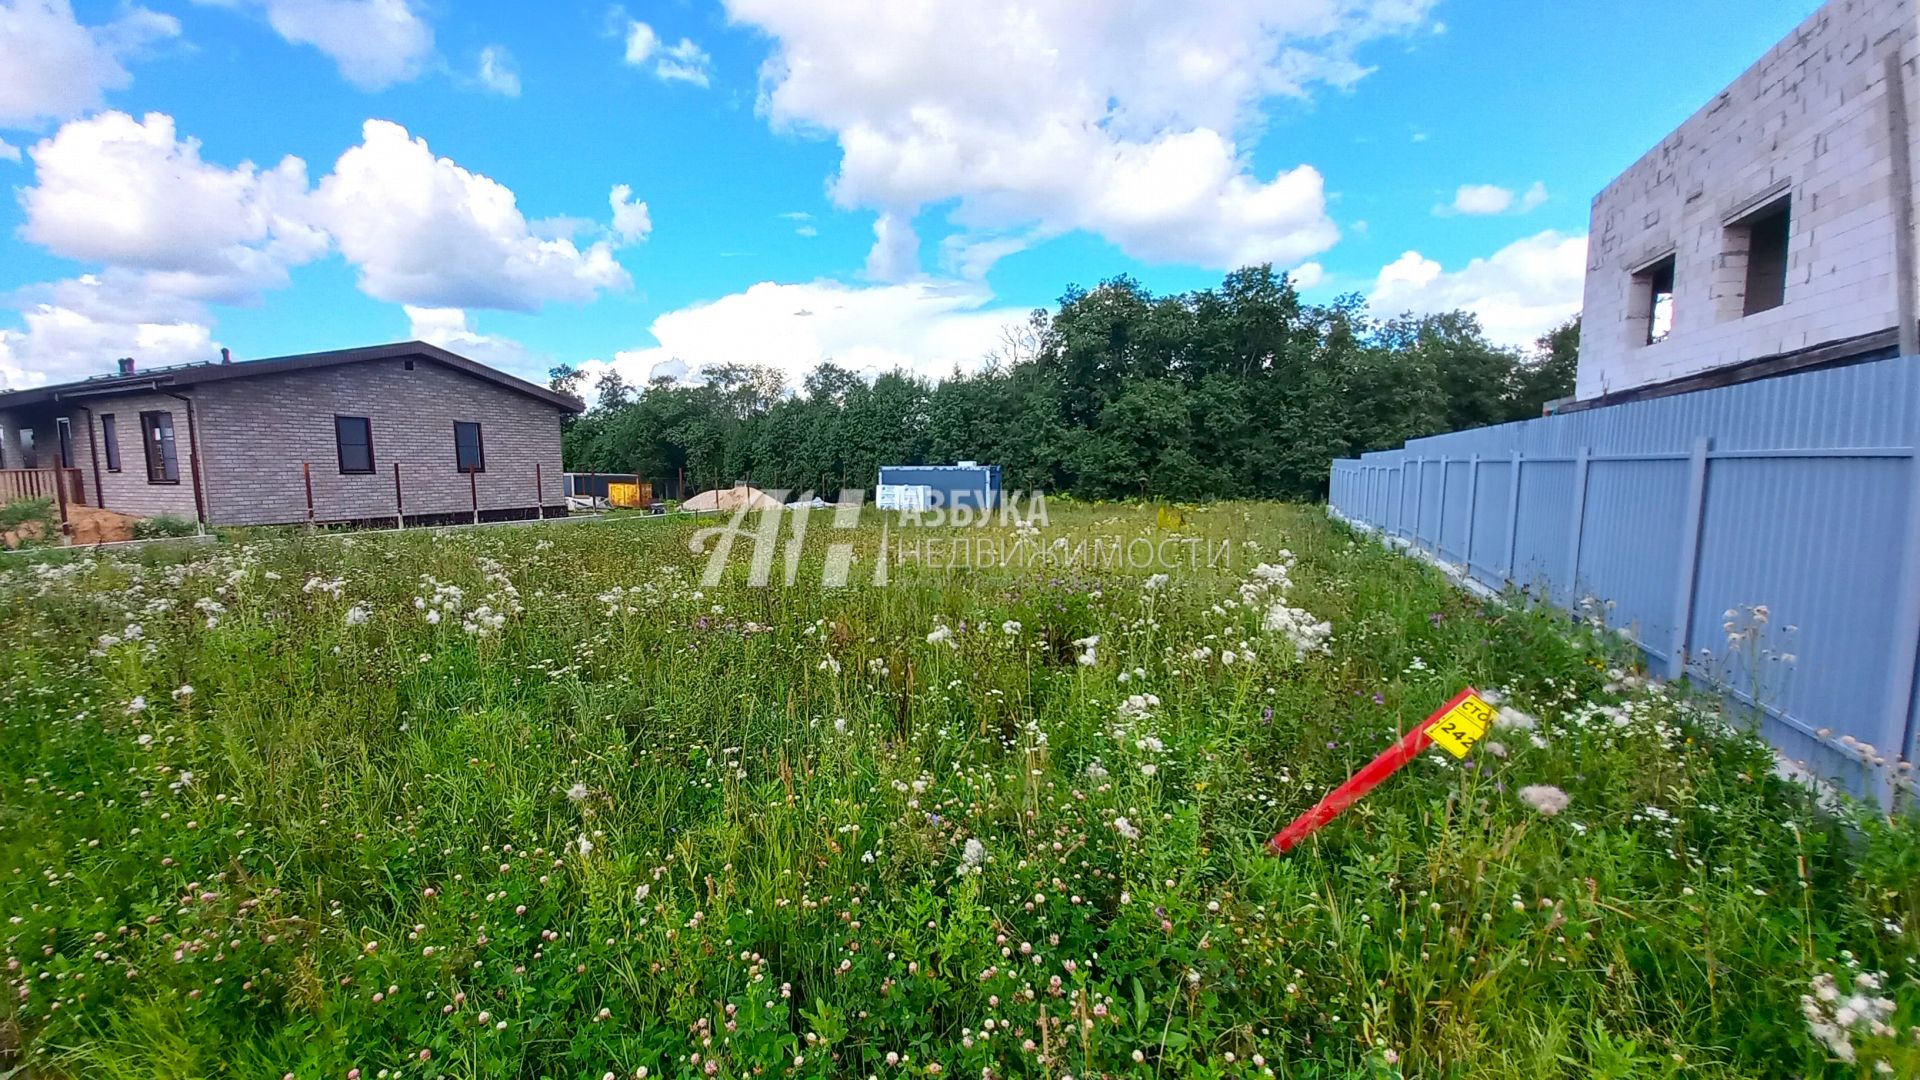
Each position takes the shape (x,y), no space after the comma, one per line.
(29,454)
(163,458)
(110,439)
(353,438)
(63,427)
(1765,236)
(1653,299)
(468,456)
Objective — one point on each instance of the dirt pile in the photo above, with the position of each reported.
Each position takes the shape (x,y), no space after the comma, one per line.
(91,525)
(732,498)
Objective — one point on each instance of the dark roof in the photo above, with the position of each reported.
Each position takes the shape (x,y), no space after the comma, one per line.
(170,378)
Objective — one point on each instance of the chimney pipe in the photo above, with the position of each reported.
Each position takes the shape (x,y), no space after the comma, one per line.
(225,356)
(126,365)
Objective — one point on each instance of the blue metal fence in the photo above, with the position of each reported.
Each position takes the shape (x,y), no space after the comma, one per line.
(1798,495)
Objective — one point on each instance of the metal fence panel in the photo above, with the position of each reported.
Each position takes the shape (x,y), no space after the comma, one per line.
(1541,535)
(1630,556)
(1797,497)
(1489,514)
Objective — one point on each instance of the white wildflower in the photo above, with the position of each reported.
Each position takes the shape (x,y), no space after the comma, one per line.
(972,856)
(1512,719)
(1088,654)
(1544,798)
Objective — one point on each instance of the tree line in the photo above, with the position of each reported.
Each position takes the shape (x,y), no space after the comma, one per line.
(1241,390)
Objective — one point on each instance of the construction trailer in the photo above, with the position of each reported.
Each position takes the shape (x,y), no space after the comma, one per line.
(927,487)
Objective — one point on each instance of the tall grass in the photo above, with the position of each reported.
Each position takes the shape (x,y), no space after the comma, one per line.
(531,801)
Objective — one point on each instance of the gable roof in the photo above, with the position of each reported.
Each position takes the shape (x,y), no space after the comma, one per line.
(213,371)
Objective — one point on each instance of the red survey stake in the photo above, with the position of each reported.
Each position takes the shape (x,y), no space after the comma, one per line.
(1457,725)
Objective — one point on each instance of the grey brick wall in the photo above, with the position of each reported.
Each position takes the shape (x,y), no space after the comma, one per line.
(128,490)
(256,432)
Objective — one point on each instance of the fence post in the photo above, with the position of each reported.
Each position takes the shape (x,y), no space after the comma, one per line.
(399,503)
(1581,465)
(1473,491)
(539,494)
(306,476)
(473,487)
(1419,504)
(60,493)
(1440,506)
(1513,512)
(1408,482)
(1684,585)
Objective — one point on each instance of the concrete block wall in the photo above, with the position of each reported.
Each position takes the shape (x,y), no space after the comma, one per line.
(256,432)
(1809,121)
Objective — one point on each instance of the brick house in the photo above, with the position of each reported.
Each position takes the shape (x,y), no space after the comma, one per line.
(363,435)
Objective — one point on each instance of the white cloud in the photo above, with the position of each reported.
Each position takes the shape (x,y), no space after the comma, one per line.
(52,67)
(641,42)
(174,233)
(1307,275)
(453,329)
(422,230)
(60,343)
(896,249)
(971,255)
(682,61)
(1481,199)
(8,151)
(498,72)
(1519,292)
(376,43)
(1131,119)
(132,194)
(928,327)
(631,221)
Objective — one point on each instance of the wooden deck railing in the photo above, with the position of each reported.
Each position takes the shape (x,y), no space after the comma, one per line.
(41,484)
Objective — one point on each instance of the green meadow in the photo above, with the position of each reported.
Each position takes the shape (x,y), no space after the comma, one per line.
(537,801)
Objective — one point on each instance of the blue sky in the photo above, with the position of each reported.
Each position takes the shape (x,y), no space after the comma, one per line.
(659,186)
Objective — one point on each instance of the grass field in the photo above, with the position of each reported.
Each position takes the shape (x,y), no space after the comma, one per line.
(534,802)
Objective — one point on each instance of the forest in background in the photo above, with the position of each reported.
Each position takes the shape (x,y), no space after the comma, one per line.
(1241,390)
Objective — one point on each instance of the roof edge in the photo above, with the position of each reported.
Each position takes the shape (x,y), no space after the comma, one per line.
(195,374)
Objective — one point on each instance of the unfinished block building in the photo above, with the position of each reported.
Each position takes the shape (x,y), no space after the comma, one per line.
(1774,230)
